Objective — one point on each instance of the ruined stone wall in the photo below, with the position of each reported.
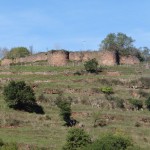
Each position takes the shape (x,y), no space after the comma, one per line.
(108,58)
(6,62)
(103,58)
(61,58)
(129,60)
(32,58)
(58,58)
(76,56)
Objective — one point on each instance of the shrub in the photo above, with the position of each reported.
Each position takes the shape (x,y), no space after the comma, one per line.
(20,96)
(91,66)
(110,142)
(76,138)
(65,108)
(1,143)
(145,82)
(137,103)
(10,146)
(119,102)
(107,90)
(147,102)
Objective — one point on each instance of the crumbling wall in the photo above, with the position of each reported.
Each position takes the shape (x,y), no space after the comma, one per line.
(103,57)
(129,60)
(76,56)
(32,58)
(61,58)
(107,58)
(6,62)
(58,58)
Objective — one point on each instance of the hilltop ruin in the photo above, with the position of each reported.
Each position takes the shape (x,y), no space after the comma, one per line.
(62,58)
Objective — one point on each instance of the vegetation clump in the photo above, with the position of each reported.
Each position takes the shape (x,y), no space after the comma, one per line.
(107,90)
(110,142)
(20,96)
(76,138)
(18,52)
(91,66)
(147,102)
(137,103)
(64,104)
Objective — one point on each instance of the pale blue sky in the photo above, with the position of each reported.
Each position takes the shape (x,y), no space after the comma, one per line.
(72,24)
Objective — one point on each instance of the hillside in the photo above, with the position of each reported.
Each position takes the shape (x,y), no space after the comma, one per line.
(117,111)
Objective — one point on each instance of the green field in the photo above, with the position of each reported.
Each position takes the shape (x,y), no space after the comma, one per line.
(87,100)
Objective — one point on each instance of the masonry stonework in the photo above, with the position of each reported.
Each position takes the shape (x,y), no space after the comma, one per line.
(61,58)
(129,60)
(58,58)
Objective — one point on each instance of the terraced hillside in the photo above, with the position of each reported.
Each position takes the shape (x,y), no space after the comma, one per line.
(111,101)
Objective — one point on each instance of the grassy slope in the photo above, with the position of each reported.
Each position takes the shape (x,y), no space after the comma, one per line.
(47,130)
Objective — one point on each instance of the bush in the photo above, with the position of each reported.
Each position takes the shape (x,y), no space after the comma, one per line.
(76,138)
(64,105)
(147,102)
(91,66)
(136,103)
(107,90)
(110,142)
(20,96)
(10,146)
(1,143)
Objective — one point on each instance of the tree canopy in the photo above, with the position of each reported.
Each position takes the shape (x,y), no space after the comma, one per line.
(118,42)
(20,96)
(17,52)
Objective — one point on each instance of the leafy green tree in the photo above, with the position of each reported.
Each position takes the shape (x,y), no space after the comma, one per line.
(18,52)
(145,53)
(91,66)
(20,96)
(76,138)
(117,42)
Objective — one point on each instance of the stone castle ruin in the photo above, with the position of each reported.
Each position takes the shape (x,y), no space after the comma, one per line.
(62,58)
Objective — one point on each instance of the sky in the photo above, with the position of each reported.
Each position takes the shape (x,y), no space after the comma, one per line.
(72,24)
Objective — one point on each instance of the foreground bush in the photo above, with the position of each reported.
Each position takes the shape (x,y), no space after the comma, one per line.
(20,96)
(9,146)
(1,143)
(76,138)
(147,102)
(91,66)
(136,103)
(110,142)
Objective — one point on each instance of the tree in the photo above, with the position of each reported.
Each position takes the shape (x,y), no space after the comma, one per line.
(17,52)
(3,52)
(118,42)
(20,96)
(145,51)
(76,138)
(64,104)
(91,66)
